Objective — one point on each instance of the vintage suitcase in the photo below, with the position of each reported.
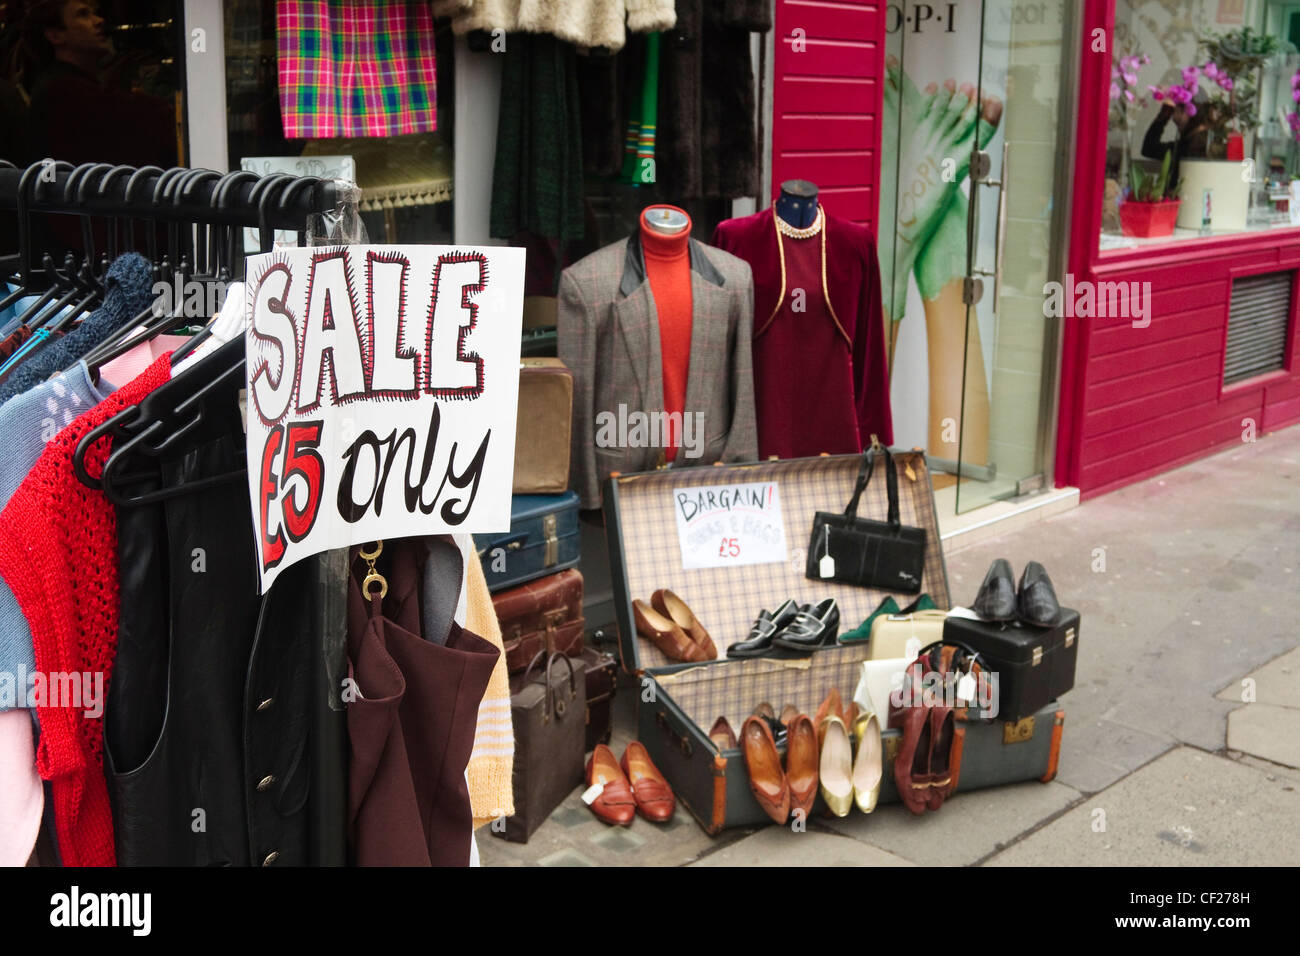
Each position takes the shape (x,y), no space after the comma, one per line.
(892,634)
(714,785)
(602,683)
(546,411)
(1030,665)
(677,703)
(543,538)
(547,608)
(547,711)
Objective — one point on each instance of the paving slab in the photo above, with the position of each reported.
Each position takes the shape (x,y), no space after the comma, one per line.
(1096,754)
(780,846)
(574,830)
(1270,770)
(1188,808)
(1277,682)
(1267,731)
(967,828)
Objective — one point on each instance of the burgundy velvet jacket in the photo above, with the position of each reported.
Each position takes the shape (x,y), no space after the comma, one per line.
(820,379)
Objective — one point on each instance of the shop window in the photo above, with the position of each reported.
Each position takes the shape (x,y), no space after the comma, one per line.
(1258,325)
(1210,86)
(406,180)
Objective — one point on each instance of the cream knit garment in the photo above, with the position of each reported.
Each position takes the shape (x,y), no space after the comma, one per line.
(584,23)
(491,763)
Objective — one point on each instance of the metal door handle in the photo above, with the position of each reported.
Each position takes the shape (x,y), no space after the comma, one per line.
(1000,239)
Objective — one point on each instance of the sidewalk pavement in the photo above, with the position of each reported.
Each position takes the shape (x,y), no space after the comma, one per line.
(1182,732)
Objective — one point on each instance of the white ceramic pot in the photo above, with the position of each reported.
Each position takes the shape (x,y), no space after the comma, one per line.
(1229,199)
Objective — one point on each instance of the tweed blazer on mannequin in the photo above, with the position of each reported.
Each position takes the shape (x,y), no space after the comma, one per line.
(609,338)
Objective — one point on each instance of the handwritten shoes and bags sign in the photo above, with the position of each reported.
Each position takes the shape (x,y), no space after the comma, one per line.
(875,554)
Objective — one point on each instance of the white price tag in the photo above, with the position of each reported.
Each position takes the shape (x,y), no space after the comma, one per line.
(912,648)
(591,793)
(966,688)
(826,567)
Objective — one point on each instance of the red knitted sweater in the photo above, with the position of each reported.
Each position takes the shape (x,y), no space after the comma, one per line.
(58,554)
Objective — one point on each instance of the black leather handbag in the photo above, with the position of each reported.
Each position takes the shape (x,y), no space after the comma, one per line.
(871,554)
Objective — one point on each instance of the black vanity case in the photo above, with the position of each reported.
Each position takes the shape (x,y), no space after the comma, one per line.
(1034,665)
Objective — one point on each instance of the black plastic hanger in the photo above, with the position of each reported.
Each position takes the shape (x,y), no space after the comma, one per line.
(168,414)
(28,283)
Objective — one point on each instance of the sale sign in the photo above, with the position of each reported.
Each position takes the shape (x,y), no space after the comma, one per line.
(719,526)
(382,393)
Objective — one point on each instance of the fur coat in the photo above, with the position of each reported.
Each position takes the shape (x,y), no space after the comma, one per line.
(584,23)
(707,133)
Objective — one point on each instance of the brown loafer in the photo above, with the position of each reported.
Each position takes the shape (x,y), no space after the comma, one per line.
(943,732)
(654,798)
(912,765)
(723,737)
(664,634)
(616,803)
(767,780)
(788,713)
(801,763)
(674,608)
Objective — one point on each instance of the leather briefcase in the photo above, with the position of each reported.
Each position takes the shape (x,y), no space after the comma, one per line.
(548,710)
(602,684)
(545,614)
(542,427)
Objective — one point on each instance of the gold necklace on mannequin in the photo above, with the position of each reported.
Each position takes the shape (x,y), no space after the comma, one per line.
(784,228)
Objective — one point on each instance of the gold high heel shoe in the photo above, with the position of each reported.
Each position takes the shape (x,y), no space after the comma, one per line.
(835,770)
(868,766)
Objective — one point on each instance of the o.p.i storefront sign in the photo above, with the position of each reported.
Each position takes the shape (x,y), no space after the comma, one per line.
(382,389)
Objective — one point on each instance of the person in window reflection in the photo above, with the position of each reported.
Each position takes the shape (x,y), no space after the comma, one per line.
(1193,139)
(82,110)
(79,113)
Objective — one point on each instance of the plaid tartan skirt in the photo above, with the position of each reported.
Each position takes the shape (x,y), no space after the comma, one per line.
(356,67)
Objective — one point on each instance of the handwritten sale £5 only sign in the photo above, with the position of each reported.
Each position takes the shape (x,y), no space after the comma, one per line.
(382,393)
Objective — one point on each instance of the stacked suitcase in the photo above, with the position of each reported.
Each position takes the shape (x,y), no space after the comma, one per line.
(531,571)
(679,702)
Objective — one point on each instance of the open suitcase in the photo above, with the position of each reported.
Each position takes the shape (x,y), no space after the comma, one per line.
(677,703)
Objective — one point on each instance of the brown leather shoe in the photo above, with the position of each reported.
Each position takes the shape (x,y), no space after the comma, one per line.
(654,798)
(616,803)
(723,737)
(831,706)
(943,732)
(664,634)
(767,780)
(674,608)
(801,758)
(912,765)
(788,713)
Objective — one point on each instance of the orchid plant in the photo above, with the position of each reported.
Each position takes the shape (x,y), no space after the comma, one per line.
(1293,118)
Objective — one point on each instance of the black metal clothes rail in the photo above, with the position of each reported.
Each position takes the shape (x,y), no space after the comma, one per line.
(179,198)
(152,193)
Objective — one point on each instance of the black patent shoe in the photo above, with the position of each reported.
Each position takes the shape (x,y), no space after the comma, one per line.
(1036,600)
(812,628)
(766,627)
(997,598)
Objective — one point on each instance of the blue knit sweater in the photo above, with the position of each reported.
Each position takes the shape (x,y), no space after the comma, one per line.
(128,290)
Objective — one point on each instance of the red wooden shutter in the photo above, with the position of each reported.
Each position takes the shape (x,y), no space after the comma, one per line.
(826,101)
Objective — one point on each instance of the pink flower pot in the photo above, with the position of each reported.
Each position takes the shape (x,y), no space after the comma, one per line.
(1147,220)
